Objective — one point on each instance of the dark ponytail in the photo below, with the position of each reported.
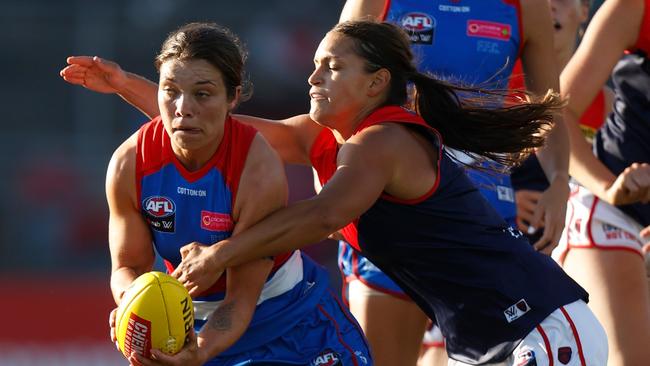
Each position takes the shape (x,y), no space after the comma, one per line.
(495,124)
(491,123)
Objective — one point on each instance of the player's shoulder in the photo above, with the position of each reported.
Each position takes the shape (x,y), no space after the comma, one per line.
(123,160)
(384,132)
(262,159)
(381,141)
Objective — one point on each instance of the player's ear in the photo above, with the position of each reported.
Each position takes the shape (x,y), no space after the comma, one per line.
(235,98)
(379,82)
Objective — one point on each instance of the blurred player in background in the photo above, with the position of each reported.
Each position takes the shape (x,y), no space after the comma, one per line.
(529,181)
(609,215)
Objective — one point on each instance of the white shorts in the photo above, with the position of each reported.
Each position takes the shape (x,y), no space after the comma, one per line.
(570,336)
(593,223)
(433,337)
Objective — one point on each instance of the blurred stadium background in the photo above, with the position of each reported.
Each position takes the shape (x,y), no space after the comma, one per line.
(57,140)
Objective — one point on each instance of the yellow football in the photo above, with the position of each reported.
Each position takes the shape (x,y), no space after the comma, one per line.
(155,312)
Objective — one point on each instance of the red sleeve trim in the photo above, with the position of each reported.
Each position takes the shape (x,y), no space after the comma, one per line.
(594,116)
(384,12)
(150,151)
(236,147)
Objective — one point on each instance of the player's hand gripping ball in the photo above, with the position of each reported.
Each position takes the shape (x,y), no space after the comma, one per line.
(155,312)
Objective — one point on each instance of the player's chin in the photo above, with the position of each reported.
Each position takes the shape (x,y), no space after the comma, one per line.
(320,115)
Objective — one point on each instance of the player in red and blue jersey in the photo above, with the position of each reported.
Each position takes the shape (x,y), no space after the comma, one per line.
(608,221)
(190,176)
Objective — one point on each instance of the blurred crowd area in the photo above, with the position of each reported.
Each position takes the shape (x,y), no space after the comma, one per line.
(57,138)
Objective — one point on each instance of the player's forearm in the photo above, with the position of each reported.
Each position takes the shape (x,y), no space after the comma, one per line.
(223,328)
(585,167)
(288,229)
(121,279)
(142,94)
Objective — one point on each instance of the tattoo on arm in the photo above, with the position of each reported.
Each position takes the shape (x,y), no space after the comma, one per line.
(221,319)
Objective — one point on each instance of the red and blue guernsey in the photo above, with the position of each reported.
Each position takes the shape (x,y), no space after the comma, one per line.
(481,282)
(472,42)
(625,137)
(295,306)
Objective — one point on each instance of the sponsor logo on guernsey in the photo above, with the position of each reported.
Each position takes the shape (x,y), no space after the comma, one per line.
(525,357)
(326,358)
(486,29)
(138,336)
(216,221)
(516,311)
(191,192)
(419,26)
(564,355)
(453,8)
(160,212)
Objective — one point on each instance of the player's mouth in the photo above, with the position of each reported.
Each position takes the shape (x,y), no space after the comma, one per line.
(188,130)
(316,95)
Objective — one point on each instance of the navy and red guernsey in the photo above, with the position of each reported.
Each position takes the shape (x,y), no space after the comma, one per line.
(625,137)
(454,256)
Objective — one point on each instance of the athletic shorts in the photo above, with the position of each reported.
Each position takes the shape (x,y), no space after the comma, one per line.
(314,328)
(593,223)
(354,266)
(433,337)
(570,336)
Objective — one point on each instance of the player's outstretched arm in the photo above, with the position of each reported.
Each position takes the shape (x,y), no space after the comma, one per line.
(362,10)
(366,165)
(104,76)
(291,137)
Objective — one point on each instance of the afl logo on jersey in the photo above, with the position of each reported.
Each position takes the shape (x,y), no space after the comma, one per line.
(326,358)
(160,212)
(419,26)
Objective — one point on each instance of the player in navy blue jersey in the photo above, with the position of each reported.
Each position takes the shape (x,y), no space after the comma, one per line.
(399,199)
(473,42)
(609,216)
(191,176)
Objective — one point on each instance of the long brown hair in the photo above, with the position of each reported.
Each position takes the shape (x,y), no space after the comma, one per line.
(495,124)
(215,44)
